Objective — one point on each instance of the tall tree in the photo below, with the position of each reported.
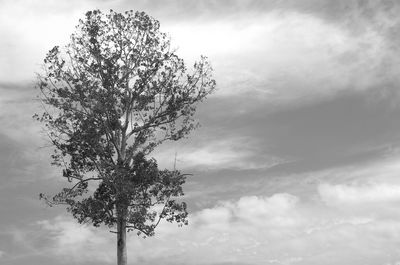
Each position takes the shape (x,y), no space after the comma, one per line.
(114,93)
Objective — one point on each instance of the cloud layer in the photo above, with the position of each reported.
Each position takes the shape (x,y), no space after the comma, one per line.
(276,229)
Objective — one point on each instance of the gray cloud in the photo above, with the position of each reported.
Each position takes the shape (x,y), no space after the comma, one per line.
(346,127)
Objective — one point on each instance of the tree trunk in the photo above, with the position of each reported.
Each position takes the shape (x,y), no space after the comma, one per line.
(122,208)
(121,241)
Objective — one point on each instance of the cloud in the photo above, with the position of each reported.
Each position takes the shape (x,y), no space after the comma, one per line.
(347,194)
(280,228)
(212,152)
(229,220)
(247,133)
(250,209)
(288,56)
(231,231)
(76,242)
(282,52)
(284,57)
(29,30)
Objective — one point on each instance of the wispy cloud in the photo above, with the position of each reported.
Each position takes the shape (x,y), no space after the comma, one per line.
(284,56)
(351,194)
(215,153)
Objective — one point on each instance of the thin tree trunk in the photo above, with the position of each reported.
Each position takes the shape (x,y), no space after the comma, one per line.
(121,241)
(122,211)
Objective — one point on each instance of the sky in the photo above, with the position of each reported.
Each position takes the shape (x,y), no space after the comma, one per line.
(297,158)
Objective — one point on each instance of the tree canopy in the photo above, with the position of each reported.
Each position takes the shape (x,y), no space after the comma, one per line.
(109,97)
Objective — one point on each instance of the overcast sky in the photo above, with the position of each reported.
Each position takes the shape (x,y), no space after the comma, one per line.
(298,157)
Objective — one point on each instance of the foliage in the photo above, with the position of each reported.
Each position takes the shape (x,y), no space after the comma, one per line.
(110,97)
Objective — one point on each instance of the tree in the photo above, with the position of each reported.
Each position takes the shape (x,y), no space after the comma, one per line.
(113,94)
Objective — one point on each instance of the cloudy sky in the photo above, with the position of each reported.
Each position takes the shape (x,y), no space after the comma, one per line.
(298,157)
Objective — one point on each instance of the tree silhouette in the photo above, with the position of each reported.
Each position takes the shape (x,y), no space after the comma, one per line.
(113,94)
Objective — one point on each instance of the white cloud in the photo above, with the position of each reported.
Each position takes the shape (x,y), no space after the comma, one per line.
(228,152)
(281,55)
(232,231)
(29,29)
(281,229)
(343,193)
(271,211)
(77,242)
(284,56)
(250,210)
(230,227)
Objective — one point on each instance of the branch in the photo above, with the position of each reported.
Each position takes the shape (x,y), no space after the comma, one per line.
(82,181)
(139,229)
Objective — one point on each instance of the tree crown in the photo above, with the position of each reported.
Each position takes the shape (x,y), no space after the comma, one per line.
(110,97)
